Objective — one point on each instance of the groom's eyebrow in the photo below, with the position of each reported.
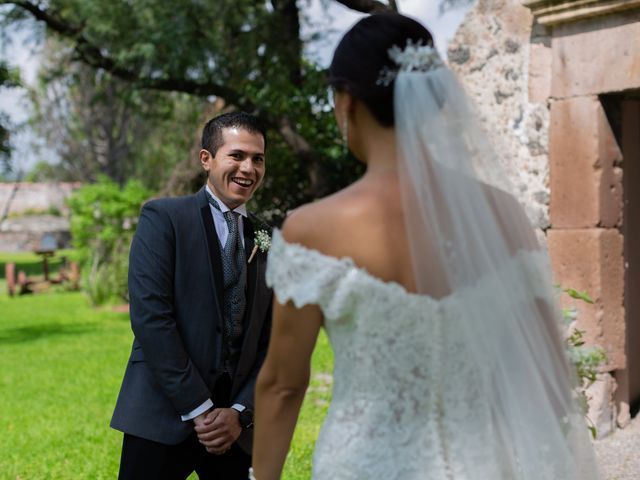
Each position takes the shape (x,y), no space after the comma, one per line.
(244,152)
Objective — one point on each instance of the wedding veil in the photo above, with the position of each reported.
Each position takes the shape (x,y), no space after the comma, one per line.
(473,247)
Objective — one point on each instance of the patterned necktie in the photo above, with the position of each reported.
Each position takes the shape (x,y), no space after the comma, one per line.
(234,274)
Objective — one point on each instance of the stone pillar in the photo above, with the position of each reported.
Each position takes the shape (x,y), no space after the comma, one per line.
(585,243)
(586,181)
(595,50)
(592,260)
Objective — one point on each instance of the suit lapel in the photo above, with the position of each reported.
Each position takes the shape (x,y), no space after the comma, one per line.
(251,269)
(248,354)
(214,251)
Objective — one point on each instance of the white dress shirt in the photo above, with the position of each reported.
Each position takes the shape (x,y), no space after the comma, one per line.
(223,233)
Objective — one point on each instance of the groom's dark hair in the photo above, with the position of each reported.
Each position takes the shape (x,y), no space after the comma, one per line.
(362,56)
(212,132)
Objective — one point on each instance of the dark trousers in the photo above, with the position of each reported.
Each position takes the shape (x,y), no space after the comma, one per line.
(144,459)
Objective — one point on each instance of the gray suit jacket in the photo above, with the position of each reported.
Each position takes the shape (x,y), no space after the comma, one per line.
(175,288)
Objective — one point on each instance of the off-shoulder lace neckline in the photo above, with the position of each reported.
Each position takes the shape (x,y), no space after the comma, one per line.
(349,263)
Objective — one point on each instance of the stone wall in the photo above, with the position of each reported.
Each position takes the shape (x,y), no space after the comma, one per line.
(538,90)
(592,57)
(29,210)
(25,196)
(490,53)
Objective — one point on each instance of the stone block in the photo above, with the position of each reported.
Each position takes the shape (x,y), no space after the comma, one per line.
(540,59)
(592,260)
(602,409)
(586,185)
(624,415)
(598,55)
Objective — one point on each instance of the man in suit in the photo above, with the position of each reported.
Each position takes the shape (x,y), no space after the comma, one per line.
(200,314)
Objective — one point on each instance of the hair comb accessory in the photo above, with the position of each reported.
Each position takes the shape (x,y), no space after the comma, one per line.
(415,57)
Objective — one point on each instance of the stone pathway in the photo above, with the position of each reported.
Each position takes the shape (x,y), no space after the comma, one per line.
(619,453)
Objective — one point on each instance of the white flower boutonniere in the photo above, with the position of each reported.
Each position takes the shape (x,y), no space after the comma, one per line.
(262,242)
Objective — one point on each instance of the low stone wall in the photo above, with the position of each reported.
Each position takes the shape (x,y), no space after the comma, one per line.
(36,197)
(29,210)
(25,233)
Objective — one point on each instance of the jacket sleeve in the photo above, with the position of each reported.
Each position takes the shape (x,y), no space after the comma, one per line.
(151,290)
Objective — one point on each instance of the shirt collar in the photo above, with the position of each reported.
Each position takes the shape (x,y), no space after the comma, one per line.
(242,209)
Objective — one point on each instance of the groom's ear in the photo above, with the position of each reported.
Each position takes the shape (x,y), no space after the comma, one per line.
(205,159)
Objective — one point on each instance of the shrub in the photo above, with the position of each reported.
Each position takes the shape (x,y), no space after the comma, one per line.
(103,220)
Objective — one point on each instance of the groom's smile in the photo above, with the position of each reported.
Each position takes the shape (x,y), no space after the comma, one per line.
(243,182)
(237,168)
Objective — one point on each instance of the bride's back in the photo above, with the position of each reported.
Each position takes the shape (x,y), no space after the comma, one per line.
(364,222)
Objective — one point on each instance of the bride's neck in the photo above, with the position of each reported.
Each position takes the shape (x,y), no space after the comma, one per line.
(380,151)
(372,143)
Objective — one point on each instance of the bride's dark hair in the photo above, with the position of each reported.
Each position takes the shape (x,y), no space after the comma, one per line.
(362,55)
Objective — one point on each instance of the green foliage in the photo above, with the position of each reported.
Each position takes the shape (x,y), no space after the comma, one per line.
(63,362)
(98,124)
(586,360)
(248,54)
(9,76)
(168,139)
(573,293)
(103,219)
(288,182)
(43,171)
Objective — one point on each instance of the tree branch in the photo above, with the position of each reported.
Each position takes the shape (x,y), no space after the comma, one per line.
(289,18)
(367,6)
(52,21)
(93,56)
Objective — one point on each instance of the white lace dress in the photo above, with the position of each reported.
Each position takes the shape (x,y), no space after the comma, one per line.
(397,411)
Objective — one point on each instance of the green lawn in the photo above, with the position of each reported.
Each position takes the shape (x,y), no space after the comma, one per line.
(62,363)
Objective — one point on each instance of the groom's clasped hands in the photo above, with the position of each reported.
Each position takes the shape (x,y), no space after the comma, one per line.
(217,429)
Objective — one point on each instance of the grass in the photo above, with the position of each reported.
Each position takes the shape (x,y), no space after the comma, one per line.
(313,411)
(62,364)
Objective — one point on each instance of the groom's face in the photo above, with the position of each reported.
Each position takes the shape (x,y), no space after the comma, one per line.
(237,168)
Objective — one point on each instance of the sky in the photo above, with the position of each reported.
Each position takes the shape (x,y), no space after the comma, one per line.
(319,15)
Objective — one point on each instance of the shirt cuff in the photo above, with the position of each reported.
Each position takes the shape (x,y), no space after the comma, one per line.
(198,411)
(238,407)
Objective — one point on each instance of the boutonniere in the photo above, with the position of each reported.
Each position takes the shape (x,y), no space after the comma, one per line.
(262,242)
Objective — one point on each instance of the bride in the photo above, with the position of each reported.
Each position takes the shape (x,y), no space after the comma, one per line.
(431,286)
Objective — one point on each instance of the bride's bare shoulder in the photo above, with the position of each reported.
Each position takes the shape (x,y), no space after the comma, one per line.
(325,223)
